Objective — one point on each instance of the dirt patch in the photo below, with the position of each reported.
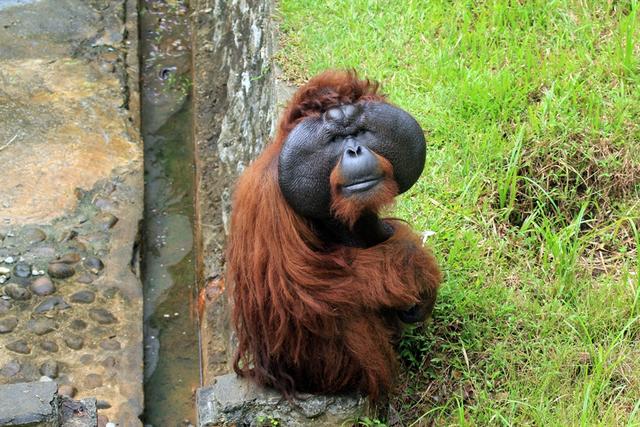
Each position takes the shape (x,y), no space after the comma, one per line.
(560,177)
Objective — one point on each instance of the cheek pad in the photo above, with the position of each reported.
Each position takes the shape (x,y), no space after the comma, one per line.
(303,175)
(397,137)
(308,155)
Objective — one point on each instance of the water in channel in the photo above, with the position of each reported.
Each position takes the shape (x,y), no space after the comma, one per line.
(172,356)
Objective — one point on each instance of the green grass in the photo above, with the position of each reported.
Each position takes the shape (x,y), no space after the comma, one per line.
(532,186)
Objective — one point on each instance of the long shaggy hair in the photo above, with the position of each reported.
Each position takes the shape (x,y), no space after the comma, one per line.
(312,318)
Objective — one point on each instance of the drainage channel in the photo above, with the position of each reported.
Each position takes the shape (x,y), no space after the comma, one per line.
(172,356)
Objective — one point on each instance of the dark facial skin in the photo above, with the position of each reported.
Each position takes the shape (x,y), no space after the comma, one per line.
(350,135)
(347,137)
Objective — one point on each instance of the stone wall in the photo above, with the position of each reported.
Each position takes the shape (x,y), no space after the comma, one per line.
(233,115)
(38,404)
(235,401)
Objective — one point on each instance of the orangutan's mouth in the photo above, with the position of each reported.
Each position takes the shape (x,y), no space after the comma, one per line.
(362,185)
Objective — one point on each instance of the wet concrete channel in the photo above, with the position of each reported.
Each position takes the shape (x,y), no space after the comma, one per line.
(172,354)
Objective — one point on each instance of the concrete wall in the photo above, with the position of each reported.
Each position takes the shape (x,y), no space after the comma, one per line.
(234,94)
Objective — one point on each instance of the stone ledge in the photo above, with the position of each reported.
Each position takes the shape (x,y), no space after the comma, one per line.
(37,404)
(236,401)
(26,404)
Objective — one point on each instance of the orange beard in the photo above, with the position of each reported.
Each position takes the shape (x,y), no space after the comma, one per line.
(349,209)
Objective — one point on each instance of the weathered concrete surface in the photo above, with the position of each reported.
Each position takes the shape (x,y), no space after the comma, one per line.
(71,199)
(235,401)
(29,404)
(38,404)
(47,87)
(234,114)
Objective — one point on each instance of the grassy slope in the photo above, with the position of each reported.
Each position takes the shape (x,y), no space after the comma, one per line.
(532,110)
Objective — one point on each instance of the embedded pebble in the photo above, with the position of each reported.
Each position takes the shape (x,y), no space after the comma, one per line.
(109,362)
(37,272)
(93,381)
(50,368)
(34,235)
(49,346)
(60,270)
(110,345)
(3,279)
(70,258)
(86,359)
(85,278)
(42,286)
(106,220)
(16,292)
(83,297)
(102,316)
(8,324)
(10,369)
(19,346)
(22,269)
(110,424)
(45,379)
(67,390)
(41,326)
(74,342)
(51,303)
(93,264)
(102,404)
(5,306)
(78,325)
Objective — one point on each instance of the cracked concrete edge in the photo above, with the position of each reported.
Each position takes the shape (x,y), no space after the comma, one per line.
(125,239)
(124,276)
(132,62)
(27,404)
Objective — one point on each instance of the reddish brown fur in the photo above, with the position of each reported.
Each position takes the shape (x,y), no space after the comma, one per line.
(310,319)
